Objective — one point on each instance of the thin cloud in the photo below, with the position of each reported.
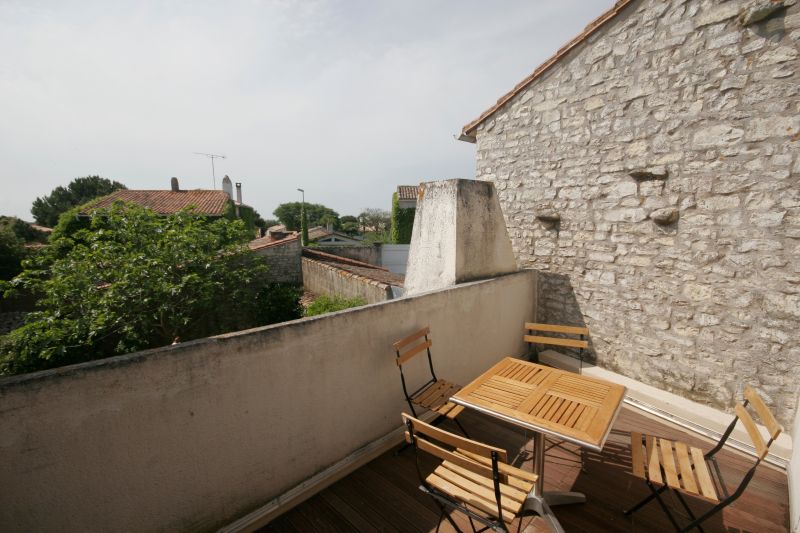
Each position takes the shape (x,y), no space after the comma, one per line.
(346,99)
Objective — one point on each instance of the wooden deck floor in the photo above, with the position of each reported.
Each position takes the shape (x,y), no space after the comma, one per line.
(384,496)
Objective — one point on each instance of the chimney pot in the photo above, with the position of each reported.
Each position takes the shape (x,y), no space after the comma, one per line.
(238,193)
(174,184)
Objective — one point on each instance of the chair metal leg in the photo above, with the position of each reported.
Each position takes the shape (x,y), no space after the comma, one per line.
(696,523)
(692,518)
(402,448)
(446,515)
(664,507)
(645,501)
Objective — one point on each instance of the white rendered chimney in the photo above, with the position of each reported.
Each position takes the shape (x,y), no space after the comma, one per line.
(227,187)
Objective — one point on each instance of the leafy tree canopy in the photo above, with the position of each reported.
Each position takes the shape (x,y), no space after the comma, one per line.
(268,223)
(374,220)
(11,253)
(47,209)
(318,215)
(22,229)
(136,280)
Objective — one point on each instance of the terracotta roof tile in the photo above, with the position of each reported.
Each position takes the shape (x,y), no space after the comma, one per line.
(407,192)
(206,202)
(469,129)
(268,242)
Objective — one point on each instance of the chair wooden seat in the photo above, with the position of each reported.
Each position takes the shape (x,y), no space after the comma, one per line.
(478,490)
(436,397)
(676,464)
(472,477)
(665,465)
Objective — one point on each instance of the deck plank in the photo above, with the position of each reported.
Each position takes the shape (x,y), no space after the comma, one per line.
(384,496)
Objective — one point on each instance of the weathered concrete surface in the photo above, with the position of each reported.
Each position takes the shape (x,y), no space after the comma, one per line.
(459,235)
(189,437)
(707,115)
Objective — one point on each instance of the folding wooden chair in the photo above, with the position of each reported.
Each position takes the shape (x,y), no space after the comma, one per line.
(666,465)
(549,355)
(473,478)
(435,393)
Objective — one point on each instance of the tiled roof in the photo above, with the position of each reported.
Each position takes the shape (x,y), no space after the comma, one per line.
(318,232)
(269,242)
(469,129)
(407,192)
(206,202)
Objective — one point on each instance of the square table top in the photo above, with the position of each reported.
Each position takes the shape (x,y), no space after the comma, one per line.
(570,406)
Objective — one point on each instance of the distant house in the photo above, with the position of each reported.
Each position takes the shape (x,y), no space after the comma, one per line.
(407,196)
(404,208)
(329,237)
(211,203)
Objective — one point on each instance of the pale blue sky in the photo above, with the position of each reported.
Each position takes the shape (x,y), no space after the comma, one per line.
(346,99)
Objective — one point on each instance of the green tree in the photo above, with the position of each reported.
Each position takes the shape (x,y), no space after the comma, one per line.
(375,225)
(47,209)
(303,225)
(22,229)
(135,280)
(402,222)
(12,253)
(374,220)
(289,215)
(268,223)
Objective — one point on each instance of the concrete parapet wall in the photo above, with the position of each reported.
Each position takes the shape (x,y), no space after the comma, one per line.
(321,278)
(652,175)
(192,436)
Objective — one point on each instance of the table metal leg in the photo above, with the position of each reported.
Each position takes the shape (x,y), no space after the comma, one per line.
(540,501)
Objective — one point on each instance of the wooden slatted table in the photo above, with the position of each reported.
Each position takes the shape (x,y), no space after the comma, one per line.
(547,401)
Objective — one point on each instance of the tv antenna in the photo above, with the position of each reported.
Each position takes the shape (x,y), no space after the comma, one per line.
(212,157)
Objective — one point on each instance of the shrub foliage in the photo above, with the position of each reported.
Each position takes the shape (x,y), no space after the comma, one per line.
(328,304)
(134,280)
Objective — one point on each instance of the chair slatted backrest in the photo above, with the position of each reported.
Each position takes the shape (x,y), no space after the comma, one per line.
(424,431)
(420,342)
(581,344)
(556,341)
(767,418)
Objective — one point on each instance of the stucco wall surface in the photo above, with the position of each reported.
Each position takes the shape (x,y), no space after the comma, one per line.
(459,235)
(189,437)
(705,114)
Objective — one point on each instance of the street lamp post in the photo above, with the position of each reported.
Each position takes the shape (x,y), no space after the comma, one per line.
(303,224)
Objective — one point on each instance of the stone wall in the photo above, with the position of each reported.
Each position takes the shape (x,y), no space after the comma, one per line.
(652,175)
(283,261)
(322,278)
